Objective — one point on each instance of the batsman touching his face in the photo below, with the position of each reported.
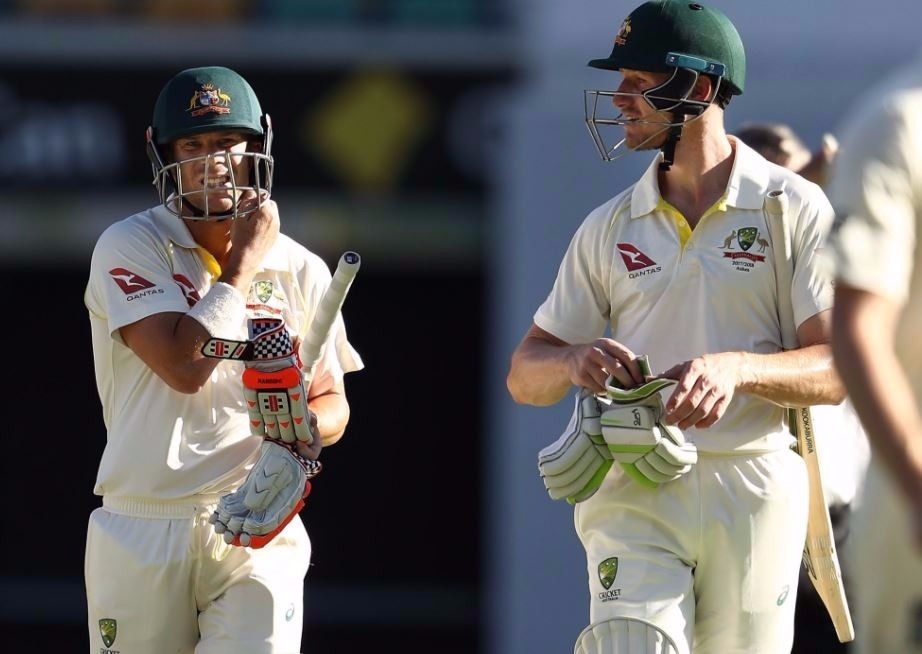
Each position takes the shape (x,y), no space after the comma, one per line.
(689,502)
(201,314)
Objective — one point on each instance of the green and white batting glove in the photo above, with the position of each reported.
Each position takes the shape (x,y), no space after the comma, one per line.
(649,451)
(574,465)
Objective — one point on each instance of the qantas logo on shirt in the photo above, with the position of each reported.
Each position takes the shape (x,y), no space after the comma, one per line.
(636,262)
(187,288)
(128,281)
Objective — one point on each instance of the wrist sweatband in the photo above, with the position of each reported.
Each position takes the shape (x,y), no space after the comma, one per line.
(222,312)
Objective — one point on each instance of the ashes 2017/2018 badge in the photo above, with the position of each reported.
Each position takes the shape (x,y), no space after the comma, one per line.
(108,629)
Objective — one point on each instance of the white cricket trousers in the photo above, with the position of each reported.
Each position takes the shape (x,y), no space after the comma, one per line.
(158,580)
(711,558)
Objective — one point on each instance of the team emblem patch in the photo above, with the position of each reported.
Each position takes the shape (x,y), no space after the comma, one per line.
(263,290)
(108,628)
(746,236)
(608,570)
(209,99)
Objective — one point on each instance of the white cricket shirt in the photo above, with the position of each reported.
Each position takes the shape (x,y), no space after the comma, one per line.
(876,188)
(161,443)
(635,267)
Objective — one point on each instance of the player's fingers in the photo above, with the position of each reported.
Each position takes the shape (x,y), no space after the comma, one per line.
(682,405)
(715,412)
(622,359)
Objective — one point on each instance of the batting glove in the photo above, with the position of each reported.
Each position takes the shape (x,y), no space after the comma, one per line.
(273,493)
(574,466)
(273,385)
(650,451)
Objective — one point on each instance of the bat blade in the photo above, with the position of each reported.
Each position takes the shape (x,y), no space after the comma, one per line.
(329,307)
(820,557)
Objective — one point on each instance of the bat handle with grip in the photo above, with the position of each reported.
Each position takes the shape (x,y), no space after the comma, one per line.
(330,305)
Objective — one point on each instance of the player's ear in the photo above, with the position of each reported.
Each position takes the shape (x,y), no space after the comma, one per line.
(703,89)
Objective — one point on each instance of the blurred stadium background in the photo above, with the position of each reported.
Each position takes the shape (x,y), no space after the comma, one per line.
(441,139)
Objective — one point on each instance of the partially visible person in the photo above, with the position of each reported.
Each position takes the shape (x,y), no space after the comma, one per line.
(779,144)
(842,443)
(876,191)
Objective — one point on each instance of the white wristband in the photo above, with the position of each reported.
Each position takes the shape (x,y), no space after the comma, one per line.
(221,312)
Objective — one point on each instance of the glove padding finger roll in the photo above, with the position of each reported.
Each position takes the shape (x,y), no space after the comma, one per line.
(272,494)
(574,465)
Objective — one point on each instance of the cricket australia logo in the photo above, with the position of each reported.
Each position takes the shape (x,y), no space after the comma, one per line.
(209,99)
(263,290)
(745,238)
(608,570)
(108,628)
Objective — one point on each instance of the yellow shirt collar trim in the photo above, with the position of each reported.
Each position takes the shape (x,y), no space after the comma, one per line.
(211,264)
(682,225)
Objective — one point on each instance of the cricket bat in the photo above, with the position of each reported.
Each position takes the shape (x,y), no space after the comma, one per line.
(820,557)
(330,304)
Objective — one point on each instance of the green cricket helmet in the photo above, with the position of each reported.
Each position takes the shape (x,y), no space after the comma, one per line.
(684,39)
(209,99)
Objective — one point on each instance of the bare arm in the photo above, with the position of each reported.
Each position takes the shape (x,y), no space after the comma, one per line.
(170,343)
(544,367)
(863,345)
(332,411)
(804,376)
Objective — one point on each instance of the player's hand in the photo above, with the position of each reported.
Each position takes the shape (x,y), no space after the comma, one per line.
(253,235)
(271,496)
(704,388)
(592,364)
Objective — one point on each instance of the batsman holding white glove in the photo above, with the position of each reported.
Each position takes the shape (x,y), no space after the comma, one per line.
(650,451)
(625,426)
(275,488)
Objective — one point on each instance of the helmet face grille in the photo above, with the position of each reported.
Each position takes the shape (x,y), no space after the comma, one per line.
(205,203)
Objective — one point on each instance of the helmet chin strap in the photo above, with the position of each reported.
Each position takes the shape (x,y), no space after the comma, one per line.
(673,136)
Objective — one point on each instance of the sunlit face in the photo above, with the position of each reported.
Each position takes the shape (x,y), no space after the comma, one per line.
(641,135)
(207,163)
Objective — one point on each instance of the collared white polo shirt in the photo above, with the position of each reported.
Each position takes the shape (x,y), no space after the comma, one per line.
(636,268)
(161,443)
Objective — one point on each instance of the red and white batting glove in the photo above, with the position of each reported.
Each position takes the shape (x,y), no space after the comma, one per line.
(275,488)
(273,385)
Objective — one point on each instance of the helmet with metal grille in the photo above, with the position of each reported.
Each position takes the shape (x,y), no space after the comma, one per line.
(198,101)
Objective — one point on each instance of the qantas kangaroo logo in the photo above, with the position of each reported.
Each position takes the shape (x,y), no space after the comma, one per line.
(128,281)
